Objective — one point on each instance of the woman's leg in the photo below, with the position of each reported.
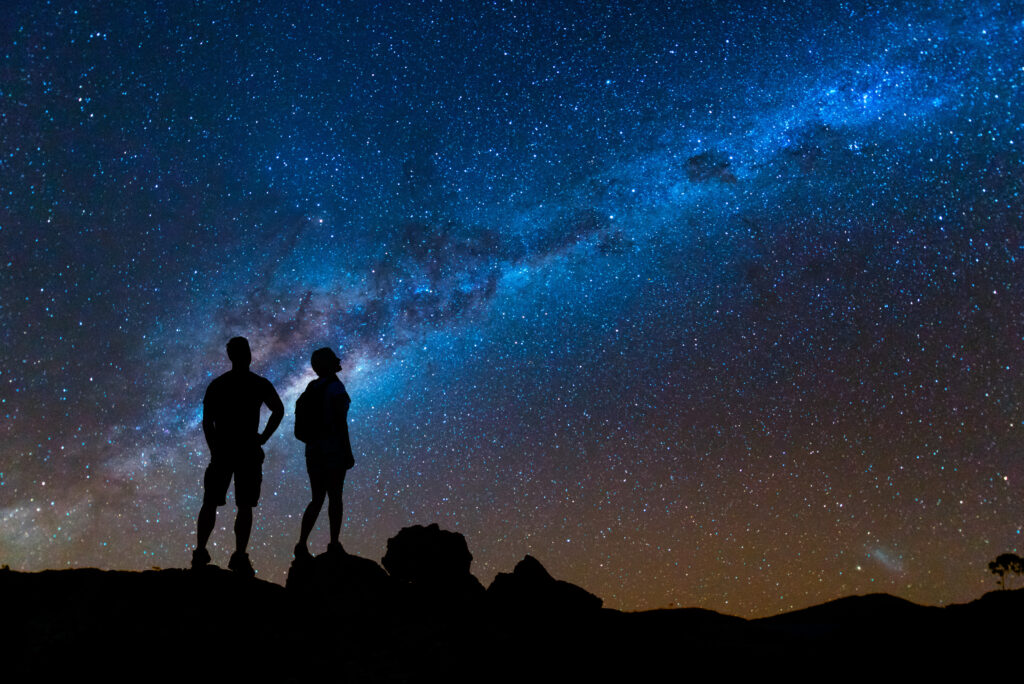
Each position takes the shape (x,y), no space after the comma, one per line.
(310,515)
(334,507)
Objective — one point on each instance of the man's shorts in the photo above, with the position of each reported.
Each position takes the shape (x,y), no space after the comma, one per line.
(247,468)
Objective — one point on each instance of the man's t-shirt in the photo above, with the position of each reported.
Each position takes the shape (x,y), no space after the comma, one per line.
(233,402)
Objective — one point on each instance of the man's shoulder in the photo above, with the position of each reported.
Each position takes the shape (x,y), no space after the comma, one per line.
(235,380)
(218,383)
(264,386)
(260,379)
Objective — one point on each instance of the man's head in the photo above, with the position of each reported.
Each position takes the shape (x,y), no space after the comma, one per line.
(325,362)
(238,352)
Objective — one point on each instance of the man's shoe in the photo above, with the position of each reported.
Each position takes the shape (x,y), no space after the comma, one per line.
(200,559)
(302,553)
(336,548)
(240,563)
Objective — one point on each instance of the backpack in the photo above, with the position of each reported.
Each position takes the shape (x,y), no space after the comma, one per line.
(309,412)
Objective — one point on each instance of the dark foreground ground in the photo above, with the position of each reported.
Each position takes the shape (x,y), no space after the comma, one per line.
(346,619)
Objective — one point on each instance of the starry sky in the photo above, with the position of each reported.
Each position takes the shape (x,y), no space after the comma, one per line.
(713,304)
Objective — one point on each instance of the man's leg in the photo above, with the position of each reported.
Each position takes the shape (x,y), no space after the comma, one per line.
(215,484)
(248,479)
(204,524)
(243,528)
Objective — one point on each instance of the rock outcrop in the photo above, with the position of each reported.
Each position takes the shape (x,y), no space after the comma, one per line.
(337,580)
(530,588)
(432,565)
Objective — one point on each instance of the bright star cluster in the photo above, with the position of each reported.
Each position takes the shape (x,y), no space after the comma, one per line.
(713,304)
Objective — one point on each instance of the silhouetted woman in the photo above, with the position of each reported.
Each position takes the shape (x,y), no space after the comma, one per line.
(323,414)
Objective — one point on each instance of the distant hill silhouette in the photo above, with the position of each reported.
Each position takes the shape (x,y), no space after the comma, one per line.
(427,619)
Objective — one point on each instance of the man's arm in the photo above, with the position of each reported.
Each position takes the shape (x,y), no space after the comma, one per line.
(209,423)
(273,403)
(209,428)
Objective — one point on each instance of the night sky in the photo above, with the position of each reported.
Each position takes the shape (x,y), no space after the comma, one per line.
(713,304)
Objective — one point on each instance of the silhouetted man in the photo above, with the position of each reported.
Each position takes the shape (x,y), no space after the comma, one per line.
(328,450)
(231,424)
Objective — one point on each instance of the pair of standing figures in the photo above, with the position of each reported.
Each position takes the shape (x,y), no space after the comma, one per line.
(231,422)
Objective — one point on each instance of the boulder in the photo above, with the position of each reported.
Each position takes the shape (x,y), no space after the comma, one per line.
(337,580)
(529,587)
(432,562)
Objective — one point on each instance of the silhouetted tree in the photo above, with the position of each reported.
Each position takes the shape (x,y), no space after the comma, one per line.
(1005,564)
